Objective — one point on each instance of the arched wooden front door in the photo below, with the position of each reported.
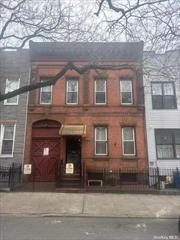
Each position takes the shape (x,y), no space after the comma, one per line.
(45,150)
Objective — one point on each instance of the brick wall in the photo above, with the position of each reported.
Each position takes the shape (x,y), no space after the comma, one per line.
(113,114)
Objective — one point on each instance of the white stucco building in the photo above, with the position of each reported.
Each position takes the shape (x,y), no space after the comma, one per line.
(162,104)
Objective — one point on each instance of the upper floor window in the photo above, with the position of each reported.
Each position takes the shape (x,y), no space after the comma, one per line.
(126,92)
(100,91)
(7,136)
(101,141)
(46,94)
(72,91)
(167,143)
(163,95)
(128,141)
(12,85)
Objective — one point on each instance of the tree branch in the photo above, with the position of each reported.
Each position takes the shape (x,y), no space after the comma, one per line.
(69,66)
(12,8)
(123,11)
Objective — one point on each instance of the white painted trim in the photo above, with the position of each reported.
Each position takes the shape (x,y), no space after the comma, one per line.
(106,140)
(100,91)
(42,103)
(67,82)
(122,92)
(6,91)
(1,141)
(133,140)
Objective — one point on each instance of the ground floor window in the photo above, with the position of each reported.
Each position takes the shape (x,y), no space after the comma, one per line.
(128,177)
(128,141)
(7,136)
(167,143)
(101,141)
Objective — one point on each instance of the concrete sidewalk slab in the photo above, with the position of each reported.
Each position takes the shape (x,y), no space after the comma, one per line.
(90,204)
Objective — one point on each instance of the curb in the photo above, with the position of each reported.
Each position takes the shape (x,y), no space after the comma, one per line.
(44,215)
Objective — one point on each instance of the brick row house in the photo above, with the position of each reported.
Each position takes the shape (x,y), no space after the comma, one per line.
(14,73)
(90,122)
(162,104)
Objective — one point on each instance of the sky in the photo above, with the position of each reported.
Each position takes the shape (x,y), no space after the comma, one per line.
(79,22)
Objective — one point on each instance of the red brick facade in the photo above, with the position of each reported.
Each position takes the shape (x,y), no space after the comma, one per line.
(113,115)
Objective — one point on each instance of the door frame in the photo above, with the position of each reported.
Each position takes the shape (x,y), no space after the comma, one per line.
(80,158)
(39,131)
(32,161)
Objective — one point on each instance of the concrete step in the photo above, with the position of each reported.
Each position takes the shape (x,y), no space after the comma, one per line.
(70,180)
(66,183)
(71,176)
(70,190)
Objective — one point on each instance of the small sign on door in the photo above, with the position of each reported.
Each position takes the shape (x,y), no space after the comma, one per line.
(69,168)
(27,168)
(45,151)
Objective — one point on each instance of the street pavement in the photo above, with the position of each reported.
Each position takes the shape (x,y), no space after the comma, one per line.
(80,228)
(90,205)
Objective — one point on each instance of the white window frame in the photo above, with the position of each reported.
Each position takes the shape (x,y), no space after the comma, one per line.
(106,140)
(67,82)
(133,140)
(100,91)
(47,103)
(2,127)
(124,80)
(6,91)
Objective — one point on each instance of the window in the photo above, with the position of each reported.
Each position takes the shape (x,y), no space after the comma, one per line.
(128,141)
(100,91)
(167,143)
(12,85)
(101,141)
(163,95)
(46,94)
(126,92)
(7,135)
(72,91)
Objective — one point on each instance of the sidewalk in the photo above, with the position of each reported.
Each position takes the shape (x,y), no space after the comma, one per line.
(90,204)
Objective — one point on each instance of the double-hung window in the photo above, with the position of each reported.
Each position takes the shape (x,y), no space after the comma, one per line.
(12,85)
(7,136)
(163,95)
(128,141)
(100,91)
(45,93)
(72,91)
(101,141)
(167,143)
(126,92)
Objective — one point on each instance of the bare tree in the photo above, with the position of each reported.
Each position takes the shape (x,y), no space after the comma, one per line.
(24,20)
(57,20)
(157,22)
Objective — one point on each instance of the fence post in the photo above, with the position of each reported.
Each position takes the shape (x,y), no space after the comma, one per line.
(11,177)
(20,175)
(85,176)
(158,182)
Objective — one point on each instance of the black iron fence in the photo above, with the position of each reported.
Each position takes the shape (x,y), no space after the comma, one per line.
(10,177)
(123,180)
(133,179)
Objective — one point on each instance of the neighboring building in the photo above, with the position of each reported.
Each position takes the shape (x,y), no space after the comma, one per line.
(14,73)
(95,121)
(162,104)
